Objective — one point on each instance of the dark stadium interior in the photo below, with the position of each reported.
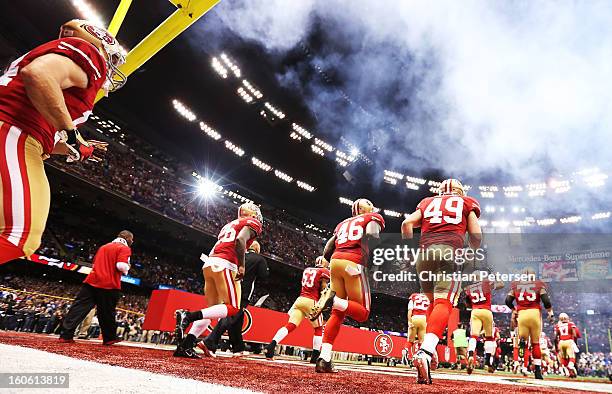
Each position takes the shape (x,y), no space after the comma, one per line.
(147,185)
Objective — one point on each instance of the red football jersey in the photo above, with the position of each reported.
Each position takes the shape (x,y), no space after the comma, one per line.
(565,331)
(17,109)
(349,235)
(311,282)
(105,274)
(225,247)
(527,294)
(445,219)
(480,294)
(419,304)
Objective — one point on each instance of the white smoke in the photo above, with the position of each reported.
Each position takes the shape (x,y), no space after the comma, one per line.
(476,86)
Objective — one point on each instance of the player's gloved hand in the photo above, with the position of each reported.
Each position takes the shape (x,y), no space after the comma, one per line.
(551,316)
(79,149)
(240,273)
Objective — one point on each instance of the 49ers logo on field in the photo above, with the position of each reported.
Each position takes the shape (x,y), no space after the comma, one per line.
(99,33)
(383,344)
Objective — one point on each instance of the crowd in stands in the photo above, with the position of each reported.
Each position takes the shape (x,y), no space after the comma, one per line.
(595,364)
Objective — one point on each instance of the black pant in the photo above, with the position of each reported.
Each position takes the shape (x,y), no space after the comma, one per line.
(233,325)
(104,300)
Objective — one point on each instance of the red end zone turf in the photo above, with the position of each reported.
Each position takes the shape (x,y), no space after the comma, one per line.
(254,374)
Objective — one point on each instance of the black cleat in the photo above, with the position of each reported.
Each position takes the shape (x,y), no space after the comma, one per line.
(538,372)
(270,350)
(325,303)
(323,366)
(185,352)
(315,356)
(182,322)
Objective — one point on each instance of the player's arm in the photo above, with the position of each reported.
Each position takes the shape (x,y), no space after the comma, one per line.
(409,315)
(45,78)
(474,231)
(412,221)
(468,301)
(240,246)
(547,304)
(328,250)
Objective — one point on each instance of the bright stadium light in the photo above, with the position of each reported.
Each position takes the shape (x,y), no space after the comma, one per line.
(252,89)
(354,152)
(346,201)
(412,186)
(393,174)
(207,188)
(305,186)
(218,67)
(323,145)
(570,219)
(389,212)
(260,164)
(546,222)
(601,215)
(212,133)
(236,149)
(277,112)
(418,181)
(183,110)
(283,176)
(88,13)
(231,65)
(317,150)
(487,194)
(342,162)
(390,180)
(295,136)
(301,131)
(244,95)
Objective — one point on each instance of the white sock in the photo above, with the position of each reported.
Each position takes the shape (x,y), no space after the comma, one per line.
(537,361)
(316,342)
(215,312)
(471,345)
(430,342)
(490,346)
(326,351)
(198,327)
(340,304)
(280,334)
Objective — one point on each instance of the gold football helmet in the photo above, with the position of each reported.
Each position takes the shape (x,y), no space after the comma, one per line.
(106,43)
(451,186)
(563,317)
(249,209)
(361,206)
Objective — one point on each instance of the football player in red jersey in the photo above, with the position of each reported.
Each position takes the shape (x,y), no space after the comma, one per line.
(222,270)
(478,298)
(314,281)
(349,293)
(444,220)
(44,96)
(566,333)
(528,295)
(418,303)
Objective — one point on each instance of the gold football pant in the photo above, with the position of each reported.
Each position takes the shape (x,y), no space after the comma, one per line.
(566,349)
(26,197)
(300,309)
(530,325)
(481,319)
(220,287)
(349,281)
(417,328)
(433,262)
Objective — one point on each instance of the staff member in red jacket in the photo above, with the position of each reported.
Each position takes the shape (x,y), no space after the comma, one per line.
(102,289)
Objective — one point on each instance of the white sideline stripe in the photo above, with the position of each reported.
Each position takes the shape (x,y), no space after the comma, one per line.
(77,50)
(89,377)
(14,169)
